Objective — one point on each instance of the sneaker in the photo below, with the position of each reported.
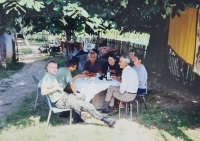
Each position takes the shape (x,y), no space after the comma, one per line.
(109,122)
(107,110)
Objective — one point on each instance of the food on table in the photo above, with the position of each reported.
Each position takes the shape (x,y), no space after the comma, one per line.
(91,74)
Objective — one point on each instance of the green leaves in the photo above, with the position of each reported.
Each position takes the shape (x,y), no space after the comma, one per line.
(57,7)
(2,1)
(48,1)
(63,21)
(23,2)
(38,5)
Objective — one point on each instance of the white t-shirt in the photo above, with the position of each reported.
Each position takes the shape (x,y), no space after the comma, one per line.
(129,81)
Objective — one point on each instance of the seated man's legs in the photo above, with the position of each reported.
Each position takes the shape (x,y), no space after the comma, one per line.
(73,102)
(109,96)
(78,96)
(112,93)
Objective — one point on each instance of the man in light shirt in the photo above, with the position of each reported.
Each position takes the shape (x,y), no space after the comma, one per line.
(127,90)
(141,72)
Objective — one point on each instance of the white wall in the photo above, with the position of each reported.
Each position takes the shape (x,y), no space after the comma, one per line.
(7,39)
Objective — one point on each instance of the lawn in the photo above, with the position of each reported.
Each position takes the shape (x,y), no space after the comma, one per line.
(156,123)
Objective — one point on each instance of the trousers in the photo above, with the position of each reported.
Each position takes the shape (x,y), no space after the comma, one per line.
(113,92)
(76,101)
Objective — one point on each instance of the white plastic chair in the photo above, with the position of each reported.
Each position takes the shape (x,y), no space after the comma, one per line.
(51,105)
(55,110)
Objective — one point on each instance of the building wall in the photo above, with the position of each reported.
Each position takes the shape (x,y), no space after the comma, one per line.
(6,48)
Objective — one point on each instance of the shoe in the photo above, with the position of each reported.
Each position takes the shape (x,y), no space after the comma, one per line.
(65,114)
(106,110)
(109,122)
(77,118)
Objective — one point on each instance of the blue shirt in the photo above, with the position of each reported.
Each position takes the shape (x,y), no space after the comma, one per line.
(142,75)
(92,68)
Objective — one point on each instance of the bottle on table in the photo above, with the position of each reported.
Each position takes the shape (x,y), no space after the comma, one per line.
(108,74)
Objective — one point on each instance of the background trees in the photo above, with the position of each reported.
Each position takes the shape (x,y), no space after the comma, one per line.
(92,16)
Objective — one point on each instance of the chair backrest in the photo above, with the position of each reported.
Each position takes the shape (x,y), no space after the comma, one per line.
(49,102)
(39,90)
(35,80)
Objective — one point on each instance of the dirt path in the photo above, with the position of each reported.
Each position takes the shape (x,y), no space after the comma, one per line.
(22,83)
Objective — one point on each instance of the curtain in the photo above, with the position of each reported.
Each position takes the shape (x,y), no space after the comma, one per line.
(182,35)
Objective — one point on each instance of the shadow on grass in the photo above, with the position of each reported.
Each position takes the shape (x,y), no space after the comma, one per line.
(171,120)
(21,117)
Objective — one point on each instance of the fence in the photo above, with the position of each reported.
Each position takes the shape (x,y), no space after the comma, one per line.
(123,47)
(179,71)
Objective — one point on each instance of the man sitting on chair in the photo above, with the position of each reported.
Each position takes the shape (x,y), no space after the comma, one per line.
(92,65)
(62,100)
(127,90)
(141,72)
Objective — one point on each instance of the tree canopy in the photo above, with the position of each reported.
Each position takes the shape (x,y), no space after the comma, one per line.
(88,16)
(55,16)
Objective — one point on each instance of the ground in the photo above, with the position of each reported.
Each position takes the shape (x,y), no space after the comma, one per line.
(170,116)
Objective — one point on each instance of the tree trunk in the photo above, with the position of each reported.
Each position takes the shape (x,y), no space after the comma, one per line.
(156,59)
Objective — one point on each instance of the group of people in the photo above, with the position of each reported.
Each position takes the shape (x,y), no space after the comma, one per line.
(133,80)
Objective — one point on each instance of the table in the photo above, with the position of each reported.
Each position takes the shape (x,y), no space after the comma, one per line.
(90,89)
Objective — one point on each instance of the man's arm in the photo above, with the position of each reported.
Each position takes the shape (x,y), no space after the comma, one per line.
(85,70)
(72,86)
(45,90)
(79,75)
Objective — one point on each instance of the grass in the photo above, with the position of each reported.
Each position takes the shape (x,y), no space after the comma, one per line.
(173,121)
(170,124)
(10,69)
(23,50)
(21,116)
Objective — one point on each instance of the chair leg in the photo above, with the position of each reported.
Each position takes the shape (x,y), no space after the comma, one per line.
(70,118)
(126,108)
(48,118)
(131,114)
(145,103)
(36,99)
(119,112)
(137,108)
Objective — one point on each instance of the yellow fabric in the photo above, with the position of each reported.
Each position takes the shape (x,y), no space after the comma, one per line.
(182,35)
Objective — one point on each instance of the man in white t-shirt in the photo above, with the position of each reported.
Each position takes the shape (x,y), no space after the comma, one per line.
(127,90)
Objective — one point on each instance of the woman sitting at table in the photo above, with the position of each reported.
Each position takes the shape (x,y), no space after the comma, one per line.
(113,67)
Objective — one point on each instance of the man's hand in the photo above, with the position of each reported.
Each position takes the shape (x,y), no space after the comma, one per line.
(81,75)
(85,72)
(60,89)
(114,78)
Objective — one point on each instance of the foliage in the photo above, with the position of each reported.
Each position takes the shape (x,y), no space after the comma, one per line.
(55,16)
(140,15)
(89,16)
